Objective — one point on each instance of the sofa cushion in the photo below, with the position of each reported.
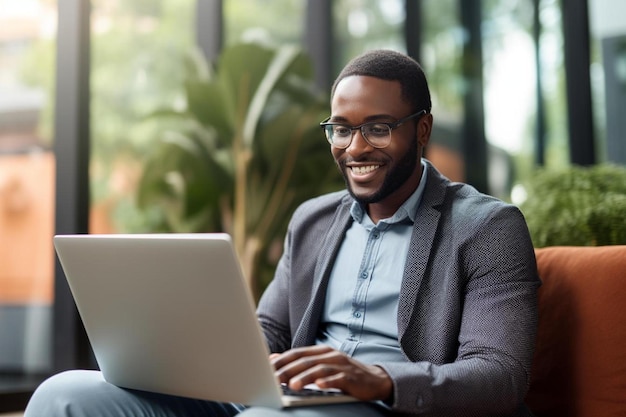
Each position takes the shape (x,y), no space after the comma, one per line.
(579,367)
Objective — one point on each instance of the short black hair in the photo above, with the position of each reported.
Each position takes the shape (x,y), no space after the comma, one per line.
(392,66)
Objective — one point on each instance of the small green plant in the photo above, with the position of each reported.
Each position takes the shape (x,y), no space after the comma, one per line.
(244,152)
(577,206)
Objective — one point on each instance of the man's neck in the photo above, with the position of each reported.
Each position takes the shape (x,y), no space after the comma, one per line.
(388,206)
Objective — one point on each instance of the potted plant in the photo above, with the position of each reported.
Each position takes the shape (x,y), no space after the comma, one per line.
(245,150)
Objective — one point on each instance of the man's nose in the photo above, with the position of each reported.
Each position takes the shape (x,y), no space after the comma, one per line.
(358,144)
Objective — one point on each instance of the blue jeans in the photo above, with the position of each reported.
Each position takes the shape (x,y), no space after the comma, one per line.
(87,394)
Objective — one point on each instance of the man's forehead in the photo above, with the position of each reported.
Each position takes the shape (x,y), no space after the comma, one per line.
(367,81)
(358,92)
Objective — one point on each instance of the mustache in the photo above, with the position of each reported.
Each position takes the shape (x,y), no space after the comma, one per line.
(344,162)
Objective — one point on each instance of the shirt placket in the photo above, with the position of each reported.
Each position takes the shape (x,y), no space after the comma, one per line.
(356,319)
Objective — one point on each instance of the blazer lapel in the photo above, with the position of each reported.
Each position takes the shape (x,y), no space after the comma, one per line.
(422,240)
(332,241)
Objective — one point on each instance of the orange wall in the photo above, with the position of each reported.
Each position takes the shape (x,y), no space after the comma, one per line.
(26,228)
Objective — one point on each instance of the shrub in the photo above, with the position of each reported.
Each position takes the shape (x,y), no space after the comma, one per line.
(577,206)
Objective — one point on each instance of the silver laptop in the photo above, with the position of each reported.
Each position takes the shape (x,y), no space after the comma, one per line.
(172,313)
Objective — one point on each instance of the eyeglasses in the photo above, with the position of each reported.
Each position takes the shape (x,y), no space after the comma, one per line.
(377,134)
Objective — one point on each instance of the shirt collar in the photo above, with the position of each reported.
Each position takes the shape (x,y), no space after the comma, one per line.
(407,210)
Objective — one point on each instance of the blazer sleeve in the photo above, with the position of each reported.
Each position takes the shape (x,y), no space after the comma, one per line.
(273,308)
(475,319)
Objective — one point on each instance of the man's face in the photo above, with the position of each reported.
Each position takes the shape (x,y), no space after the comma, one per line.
(389,175)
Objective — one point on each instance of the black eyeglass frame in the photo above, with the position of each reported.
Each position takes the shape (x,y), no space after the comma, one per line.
(390,125)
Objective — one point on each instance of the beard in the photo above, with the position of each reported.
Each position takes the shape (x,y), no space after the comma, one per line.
(394,179)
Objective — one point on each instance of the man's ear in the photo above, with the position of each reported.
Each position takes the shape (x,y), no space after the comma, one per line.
(424,128)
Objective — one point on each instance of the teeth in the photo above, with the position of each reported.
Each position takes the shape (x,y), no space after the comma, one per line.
(364,170)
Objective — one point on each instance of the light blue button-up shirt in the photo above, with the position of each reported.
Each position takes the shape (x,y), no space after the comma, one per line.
(360,314)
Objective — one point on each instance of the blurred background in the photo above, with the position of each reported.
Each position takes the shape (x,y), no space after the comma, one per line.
(89,89)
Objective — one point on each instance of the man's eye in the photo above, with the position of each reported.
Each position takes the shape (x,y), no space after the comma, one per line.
(341,131)
(380,130)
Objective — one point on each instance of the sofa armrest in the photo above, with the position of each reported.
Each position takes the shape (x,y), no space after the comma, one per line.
(579,367)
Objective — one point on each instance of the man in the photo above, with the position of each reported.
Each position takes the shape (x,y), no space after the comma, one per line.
(412,293)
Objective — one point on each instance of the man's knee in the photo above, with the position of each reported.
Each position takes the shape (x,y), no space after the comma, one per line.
(87,394)
(59,393)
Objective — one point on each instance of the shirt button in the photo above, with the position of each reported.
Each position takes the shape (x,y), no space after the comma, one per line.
(357,314)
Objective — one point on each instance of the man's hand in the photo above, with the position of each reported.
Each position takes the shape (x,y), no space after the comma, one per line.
(329,368)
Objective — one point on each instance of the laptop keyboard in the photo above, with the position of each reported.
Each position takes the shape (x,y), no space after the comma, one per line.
(309,392)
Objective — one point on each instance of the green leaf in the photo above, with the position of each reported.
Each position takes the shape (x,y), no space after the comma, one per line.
(209,104)
(282,60)
(578,206)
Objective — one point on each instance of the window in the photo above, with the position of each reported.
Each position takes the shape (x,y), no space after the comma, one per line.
(27,36)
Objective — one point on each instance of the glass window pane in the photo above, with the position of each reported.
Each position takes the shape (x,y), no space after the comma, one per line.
(441,56)
(441,60)
(509,74)
(274,21)
(360,25)
(510,89)
(552,61)
(27,36)
(608,77)
(138,55)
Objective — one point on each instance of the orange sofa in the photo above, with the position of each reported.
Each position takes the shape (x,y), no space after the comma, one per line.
(579,368)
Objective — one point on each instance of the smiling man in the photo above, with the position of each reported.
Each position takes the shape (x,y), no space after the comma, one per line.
(379,172)
(414,294)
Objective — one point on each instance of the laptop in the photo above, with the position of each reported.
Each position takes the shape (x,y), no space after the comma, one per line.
(172,313)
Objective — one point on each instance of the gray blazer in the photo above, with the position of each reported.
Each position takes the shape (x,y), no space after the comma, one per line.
(467,311)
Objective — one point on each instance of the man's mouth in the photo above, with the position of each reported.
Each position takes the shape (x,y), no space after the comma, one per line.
(363,170)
